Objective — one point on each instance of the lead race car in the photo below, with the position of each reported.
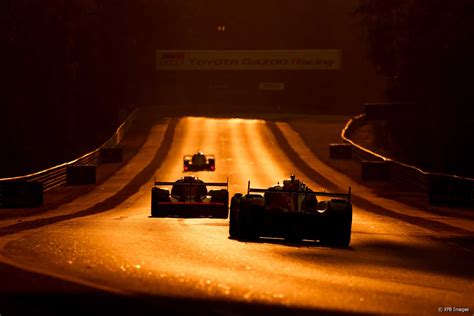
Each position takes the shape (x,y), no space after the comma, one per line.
(292,211)
(199,162)
(189,197)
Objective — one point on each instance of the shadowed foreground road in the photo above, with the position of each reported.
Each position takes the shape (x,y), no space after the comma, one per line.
(190,265)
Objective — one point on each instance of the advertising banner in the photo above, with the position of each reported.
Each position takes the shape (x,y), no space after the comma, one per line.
(176,60)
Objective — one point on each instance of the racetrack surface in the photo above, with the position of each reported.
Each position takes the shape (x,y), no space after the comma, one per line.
(391,267)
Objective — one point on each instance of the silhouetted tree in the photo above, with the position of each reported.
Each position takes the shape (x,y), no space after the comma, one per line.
(425,47)
(70,68)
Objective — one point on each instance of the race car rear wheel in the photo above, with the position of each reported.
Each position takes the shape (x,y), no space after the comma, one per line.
(339,224)
(249,216)
(234,229)
(158,195)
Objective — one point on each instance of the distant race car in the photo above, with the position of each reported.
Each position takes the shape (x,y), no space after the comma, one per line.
(189,197)
(292,211)
(199,162)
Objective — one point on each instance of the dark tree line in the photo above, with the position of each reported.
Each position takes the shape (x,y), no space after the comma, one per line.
(426,49)
(72,70)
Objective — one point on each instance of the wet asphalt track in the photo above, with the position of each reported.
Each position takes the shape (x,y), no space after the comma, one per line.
(190,265)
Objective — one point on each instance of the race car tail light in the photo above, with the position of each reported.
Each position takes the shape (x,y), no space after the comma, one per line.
(213,167)
(186,168)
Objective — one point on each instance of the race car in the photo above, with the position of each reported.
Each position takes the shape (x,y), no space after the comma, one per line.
(291,211)
(189,197)
(199,162)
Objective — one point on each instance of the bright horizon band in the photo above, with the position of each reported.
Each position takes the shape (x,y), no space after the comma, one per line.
(329,59)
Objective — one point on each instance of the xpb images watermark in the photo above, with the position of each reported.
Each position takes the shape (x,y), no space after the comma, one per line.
(453,309)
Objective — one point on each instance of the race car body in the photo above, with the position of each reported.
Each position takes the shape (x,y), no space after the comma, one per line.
(199,162)
(189,197)
(291,211)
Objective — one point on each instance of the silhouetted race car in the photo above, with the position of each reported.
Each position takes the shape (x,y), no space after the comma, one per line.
(189,197)
(199,162)
(291,211)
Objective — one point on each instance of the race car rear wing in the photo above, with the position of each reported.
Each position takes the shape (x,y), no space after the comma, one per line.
(190,157)
(208,184)
(346,196)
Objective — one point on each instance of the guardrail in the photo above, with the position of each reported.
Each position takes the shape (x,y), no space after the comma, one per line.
(56,176)
(442,188)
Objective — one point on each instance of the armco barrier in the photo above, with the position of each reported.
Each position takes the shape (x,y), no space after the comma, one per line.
(358,151)
(441,188)
(340,151)
(78,175)
(110,155)
(56,176)
(410,177)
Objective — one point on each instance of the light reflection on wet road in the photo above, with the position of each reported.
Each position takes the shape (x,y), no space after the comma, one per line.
(391,266)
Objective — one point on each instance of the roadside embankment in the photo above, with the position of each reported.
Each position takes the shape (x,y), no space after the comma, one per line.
(130,143)
(318,132)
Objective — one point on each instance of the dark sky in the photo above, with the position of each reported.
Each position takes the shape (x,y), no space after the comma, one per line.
(274,24)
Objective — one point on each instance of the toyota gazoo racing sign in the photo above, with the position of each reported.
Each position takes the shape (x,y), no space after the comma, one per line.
(329,59)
